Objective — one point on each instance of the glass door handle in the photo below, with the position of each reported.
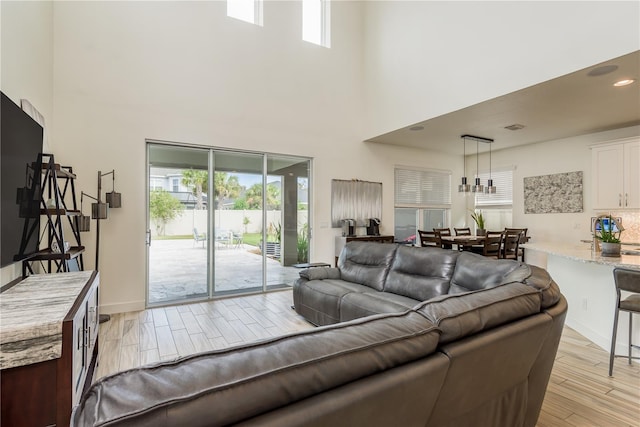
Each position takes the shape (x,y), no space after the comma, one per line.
(148,238)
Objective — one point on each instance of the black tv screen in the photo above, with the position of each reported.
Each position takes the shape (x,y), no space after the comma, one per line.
(20,145)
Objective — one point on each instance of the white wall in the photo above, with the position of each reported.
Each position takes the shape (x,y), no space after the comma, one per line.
(26,64)
(427,58)
(183,71)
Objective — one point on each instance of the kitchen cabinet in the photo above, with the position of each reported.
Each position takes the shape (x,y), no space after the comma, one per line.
(616,174)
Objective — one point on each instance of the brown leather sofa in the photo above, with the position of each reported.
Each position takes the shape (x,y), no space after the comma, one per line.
(465,357)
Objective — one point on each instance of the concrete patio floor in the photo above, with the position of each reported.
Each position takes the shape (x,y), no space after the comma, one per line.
(178,270)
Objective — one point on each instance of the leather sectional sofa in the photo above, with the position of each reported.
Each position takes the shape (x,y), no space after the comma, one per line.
(415,337)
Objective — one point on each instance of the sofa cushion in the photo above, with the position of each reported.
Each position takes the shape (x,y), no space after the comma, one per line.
(366,263)
(465,314)
(421,273)
(474,272)
(225,387)
(319,300)
(321,273)
(355,305)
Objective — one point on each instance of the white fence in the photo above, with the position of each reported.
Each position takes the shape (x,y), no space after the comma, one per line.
(231,220)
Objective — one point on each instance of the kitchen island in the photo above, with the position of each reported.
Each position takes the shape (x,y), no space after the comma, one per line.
(585,278)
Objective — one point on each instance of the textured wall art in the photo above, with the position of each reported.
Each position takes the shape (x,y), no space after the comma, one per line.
(557,193)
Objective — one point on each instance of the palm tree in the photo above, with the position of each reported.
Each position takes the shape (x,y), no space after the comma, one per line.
(199,181)
(226,186)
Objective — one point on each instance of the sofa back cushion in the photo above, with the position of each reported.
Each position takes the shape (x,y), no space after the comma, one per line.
(225,387)
(421,273)
(465,314)
(474,272)
(366,263)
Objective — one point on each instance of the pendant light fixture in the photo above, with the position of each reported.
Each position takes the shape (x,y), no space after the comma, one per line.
(477,187)
(490,188)
(464,187)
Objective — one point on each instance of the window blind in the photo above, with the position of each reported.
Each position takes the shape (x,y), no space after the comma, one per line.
(422,187)
(503,181)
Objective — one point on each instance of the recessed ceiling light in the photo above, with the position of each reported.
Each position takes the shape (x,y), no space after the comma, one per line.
(515,126)
(600,71)
(416,128)
(624,82)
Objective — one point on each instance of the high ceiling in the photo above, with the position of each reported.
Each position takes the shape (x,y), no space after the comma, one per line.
(570,105)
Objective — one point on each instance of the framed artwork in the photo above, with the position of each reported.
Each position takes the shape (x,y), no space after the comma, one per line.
(557,193)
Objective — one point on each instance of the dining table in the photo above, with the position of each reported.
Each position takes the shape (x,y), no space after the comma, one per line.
(466,242)
(471,242)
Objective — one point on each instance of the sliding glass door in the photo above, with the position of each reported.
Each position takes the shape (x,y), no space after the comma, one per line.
(178,224)
(224,222)
(238,222)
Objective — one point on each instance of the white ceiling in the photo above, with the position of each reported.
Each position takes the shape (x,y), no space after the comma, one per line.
(570,105)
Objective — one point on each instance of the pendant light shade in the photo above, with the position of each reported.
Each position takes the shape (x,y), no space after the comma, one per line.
(114,199)
(464,187)
(477,188)
(84,223)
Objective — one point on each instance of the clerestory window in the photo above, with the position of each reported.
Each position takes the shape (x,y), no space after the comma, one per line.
(245,10)
(316,22)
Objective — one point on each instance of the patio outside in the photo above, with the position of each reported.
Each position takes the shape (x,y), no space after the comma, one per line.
(178,270)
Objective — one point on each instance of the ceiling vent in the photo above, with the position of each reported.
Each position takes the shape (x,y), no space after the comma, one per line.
(515,126)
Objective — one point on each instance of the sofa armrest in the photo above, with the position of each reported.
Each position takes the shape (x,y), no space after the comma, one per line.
(320,273)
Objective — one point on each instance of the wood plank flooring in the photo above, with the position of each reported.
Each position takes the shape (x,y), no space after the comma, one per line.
(580,393)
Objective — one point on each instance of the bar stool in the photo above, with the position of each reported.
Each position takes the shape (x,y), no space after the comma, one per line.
(626,280)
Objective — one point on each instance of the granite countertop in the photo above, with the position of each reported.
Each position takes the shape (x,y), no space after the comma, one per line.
(31,315)
(582,252)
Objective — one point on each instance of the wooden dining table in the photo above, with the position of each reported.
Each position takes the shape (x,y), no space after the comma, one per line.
(466,241)
(469,241)
(463,240)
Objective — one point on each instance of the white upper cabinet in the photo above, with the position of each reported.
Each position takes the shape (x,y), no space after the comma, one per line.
(616,175)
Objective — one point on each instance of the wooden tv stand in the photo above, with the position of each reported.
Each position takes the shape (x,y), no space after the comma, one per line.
(48,348)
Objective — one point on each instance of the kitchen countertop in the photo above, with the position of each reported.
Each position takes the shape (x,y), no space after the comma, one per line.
(31,316)
(582,252)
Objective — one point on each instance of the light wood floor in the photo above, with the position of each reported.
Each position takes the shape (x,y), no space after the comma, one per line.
(580,393)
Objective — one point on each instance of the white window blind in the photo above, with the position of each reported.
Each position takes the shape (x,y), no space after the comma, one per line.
(503,181)
(422,188)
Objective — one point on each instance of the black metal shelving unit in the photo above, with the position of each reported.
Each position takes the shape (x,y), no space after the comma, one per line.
(57,204)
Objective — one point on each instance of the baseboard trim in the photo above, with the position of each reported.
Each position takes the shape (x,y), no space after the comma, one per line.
(122,307)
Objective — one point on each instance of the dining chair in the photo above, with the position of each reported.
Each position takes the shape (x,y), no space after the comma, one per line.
(492,244)
(429,238)
(466,231)
(443,232)
(523,239)
(629,281)
(510,245)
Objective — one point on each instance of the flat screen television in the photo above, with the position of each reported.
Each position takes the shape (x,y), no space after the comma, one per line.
(20,146)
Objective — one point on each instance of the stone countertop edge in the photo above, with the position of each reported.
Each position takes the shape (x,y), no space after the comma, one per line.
(582,252)
(31,316)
